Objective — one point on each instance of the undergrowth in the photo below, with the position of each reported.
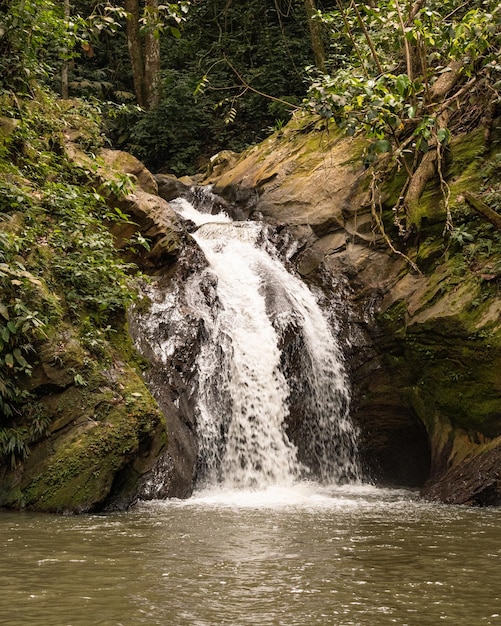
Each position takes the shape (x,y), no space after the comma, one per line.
(58,264)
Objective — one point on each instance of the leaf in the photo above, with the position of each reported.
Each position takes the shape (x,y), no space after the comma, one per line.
(383,145)
(20,358)
(9,360)
(175,32)
(4,311)
(403,84)
(443,135)
(79,381)
(411,112)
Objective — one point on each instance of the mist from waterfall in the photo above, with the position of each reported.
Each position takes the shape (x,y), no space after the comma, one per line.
(266,348)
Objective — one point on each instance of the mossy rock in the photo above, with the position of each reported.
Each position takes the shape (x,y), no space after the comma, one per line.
(75,470)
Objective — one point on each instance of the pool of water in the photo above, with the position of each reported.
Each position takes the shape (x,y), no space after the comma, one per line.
(299,556)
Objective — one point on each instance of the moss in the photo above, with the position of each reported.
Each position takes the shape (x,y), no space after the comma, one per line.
(79,475)
(457,371)
(394,319)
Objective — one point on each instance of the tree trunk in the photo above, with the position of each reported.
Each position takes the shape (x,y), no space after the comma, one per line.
(427,169)
(151,88)
(135,49)
(64,69)
(315,34)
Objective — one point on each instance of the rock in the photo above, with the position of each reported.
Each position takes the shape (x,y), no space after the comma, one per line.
(474,481)
(423,351)
(117,160)
(301,179)
(157,222)
(105,435)
(221,161)
(170,187)
(8,126)
(151,216)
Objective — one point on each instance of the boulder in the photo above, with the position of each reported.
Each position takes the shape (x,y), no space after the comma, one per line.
(104,436)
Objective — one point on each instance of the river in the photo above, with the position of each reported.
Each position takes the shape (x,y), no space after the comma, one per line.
(301,555)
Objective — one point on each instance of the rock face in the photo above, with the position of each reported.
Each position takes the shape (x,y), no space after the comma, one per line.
(423,350)
(105,432)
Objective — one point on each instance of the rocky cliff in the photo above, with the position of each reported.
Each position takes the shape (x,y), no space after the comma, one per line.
(422,334)
(421,329)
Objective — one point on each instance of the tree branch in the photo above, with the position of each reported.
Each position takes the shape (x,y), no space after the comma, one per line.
(259,93)
(485,210)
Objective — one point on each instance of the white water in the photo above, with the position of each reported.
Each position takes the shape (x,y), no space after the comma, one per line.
(245,385)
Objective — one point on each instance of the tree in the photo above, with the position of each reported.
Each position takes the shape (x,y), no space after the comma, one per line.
(145,23)
(409,81)
(144,51)
(315,28)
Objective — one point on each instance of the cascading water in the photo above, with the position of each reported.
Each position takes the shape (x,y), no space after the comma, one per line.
(267,350)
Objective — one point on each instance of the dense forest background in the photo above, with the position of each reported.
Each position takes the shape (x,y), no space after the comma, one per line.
(175,83)
(190,86)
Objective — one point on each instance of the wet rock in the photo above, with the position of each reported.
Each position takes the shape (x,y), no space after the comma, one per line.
(423,351)
(474,481)
(170,187)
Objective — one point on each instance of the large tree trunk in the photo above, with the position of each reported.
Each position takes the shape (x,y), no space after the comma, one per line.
(135,49)
(315,34)
(152,60)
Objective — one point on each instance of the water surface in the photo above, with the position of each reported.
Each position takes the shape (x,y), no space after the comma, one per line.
(301,556)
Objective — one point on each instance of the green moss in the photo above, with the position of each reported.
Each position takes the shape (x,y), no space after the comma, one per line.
(79,475)
(457,372)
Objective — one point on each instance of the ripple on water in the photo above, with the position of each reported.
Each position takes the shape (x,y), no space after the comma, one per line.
(302,556)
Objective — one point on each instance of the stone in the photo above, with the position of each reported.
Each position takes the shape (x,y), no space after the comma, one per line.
(423,350)
(118,160)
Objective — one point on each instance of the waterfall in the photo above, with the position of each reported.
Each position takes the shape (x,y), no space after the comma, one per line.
(271,393)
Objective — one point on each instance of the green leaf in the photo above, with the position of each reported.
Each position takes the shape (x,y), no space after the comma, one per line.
(79,381)
(9,360)
(383,145)
(403,84)
(443,135)
(4,311)
(20,358)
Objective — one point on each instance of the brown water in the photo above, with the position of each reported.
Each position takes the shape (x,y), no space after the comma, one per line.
(284,557)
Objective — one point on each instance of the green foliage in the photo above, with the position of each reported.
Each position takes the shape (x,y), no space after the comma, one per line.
(476,238)
(57,259)
(84,256)
(204,107)
(363,91)
(34,41)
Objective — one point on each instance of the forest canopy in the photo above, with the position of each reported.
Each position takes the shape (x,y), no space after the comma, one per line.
(180,81)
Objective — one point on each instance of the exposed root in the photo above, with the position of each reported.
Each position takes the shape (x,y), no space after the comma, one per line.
(483,209)
(377,210)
